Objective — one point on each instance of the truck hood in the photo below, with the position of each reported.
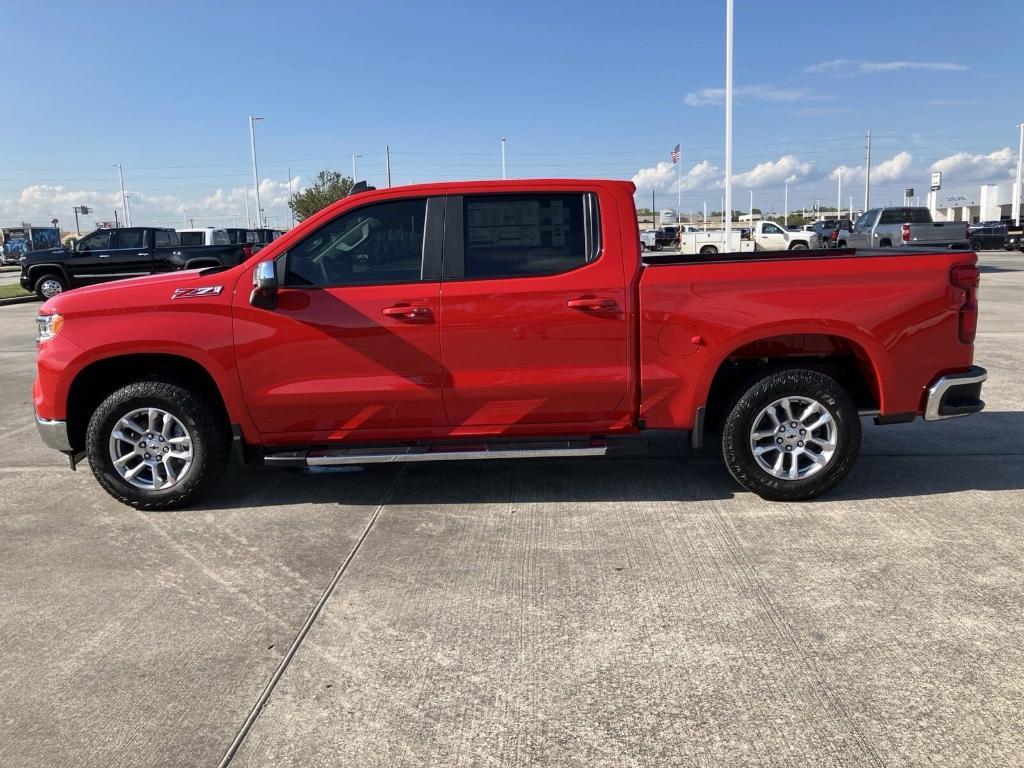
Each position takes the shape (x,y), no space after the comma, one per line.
(149,291)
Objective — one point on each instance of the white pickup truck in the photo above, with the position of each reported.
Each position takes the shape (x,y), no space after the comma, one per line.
(195,236)
(766,236)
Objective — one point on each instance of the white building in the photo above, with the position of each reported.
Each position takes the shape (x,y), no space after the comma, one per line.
(990,203)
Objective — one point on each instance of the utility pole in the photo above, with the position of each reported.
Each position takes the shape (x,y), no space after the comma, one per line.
(654,210)
(354,167)
(727,203)
(117,224)
(1016,187)
(387,151)
(679,183)
(867,175)
(502,157)
(705,214)
(751,220)
(851,208)
(785,215)
(124,198)
(290,196)
(255,171)
(839,193)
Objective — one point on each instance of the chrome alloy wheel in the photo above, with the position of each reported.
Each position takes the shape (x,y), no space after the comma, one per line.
(50,287)
(151,449)
(793,438)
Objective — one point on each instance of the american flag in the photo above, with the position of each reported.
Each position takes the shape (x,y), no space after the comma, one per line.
(675,155)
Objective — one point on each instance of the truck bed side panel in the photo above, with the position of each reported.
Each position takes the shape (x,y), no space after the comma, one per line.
(897,311)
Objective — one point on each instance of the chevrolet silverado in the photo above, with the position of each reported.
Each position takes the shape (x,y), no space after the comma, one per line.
(505,319)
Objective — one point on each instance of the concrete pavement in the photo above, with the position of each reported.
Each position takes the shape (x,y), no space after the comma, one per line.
(572,612)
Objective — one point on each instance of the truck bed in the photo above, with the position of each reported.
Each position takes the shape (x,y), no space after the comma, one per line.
(890,312)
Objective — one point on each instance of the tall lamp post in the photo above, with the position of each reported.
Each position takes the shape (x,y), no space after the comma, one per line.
(255,171)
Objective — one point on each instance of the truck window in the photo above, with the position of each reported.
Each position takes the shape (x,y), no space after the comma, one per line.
(529,234)
(381,243)
(906,216)
(191,239)
(220,237)
(129,238)
(163,239)
(865,220)
(97,241)
(771,229)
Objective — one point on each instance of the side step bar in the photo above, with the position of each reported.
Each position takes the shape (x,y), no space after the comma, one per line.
(330,457)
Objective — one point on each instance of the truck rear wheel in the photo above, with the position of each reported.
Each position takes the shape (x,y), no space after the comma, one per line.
(798,247)
(49,285)
(793,435)
(156,445)
(709,250)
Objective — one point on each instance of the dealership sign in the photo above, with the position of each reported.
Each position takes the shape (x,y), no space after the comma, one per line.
(956,198)
(936,181)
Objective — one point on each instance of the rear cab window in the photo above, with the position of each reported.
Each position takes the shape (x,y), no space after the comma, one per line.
(532,234)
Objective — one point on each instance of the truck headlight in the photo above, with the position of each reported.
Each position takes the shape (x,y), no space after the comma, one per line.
(48,326)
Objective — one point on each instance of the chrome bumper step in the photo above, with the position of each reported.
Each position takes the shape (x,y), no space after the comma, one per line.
(330,457)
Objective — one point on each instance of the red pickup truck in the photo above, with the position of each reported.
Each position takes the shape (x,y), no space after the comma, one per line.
(495,320)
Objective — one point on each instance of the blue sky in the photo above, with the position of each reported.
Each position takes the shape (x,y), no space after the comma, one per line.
(579,88)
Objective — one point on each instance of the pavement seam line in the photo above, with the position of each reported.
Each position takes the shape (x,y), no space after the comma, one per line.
(314,613)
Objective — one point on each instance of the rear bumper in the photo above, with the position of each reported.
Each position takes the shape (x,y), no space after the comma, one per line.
(54,434)
(955,394)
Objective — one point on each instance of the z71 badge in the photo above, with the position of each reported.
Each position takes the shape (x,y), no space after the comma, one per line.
(195,293)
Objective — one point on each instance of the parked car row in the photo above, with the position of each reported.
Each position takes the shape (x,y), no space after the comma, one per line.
(116,254)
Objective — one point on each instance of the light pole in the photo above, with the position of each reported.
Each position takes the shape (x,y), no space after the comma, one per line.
(354,167)
(1016,188)
(502,157)
(124,198)
(867,175)
(727,203)
(785,215)
(255,171)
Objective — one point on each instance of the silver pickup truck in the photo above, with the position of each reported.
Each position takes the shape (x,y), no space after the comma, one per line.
(903,228)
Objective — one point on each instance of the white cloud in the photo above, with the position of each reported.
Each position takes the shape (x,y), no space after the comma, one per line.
(850,67)
(38,203)
(788,168)
(964,166)
(896,168)
(716,96)
(663,177)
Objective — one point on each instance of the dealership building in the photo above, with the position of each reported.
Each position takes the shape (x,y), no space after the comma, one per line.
(991,202)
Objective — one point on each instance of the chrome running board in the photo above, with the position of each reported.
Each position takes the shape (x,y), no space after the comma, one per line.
(331,457)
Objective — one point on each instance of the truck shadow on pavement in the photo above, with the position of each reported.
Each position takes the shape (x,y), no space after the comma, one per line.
(984,452)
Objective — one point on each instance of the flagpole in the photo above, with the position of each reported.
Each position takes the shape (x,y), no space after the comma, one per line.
(679,184)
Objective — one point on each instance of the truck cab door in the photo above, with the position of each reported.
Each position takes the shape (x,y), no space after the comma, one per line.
(770,237)
(90,260)
(130,255)
(535,324)
(353,346)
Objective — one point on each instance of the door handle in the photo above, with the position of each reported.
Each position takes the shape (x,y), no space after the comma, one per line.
(592,304)
(407,312)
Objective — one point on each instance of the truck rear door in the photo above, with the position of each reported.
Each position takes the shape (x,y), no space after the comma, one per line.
(534,327)
(114,254)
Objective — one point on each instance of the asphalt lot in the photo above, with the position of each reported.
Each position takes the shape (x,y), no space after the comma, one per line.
(628,612)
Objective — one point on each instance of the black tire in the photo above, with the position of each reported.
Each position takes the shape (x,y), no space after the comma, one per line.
(798,247)
(738,453)
(199,417)
(44,282)
(708,250)
(643,246)
(657,247)
(975,245)
(885,244)
(841,244)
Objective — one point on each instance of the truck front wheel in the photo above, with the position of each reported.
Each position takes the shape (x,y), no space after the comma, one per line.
(156,445)
(49,285)
(793,435)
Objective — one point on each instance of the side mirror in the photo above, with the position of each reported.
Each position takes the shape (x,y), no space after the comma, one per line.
(264,281)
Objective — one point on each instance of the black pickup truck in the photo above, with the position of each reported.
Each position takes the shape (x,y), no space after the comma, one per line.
(114,254)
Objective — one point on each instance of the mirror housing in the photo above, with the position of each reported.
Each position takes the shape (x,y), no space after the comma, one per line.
(264,281)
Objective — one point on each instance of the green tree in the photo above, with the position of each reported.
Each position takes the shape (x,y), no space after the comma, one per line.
(329,187)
